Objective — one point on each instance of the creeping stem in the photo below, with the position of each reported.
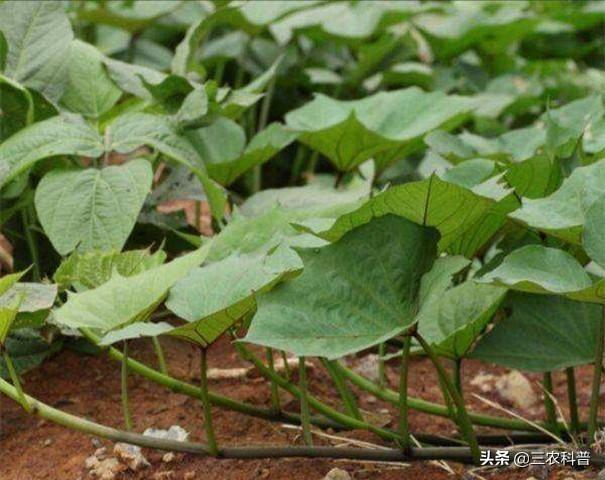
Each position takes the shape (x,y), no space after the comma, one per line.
(596,381)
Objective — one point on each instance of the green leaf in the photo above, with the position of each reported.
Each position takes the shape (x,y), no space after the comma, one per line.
(8,314)
(384,126)
(7,281)
(125,300)
(351,295)
(92,269)
(562,214)
(136,330)
(27,349)
(38,35)
(452,321)
(538,269)
(449,208)
(32,296)
(215,297)
(439,278)
(594,231)
(89,91)
(92,209)
(64,135)
(222,146)
(542,334)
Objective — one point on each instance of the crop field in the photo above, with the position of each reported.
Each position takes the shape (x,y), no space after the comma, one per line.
(302,240)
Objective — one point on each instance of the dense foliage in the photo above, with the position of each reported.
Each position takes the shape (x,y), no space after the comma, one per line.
(318,178)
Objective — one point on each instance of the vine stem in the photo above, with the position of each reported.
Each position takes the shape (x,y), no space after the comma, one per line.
(304,402)
(14,376)
(596,381)
(549,405)
(178,386)
(404,426)
(348,399)
(206,405)
(275,402)
(432,408)
(73,422)
(124,389)
(382,376)
(466,427)
(27,217)
(572,399)
(159,353)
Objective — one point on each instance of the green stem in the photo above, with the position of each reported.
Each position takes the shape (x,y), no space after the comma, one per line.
(596,381)
(28,216)
(433,408)
(572,400)
(549,405)
(458,376)
(382,377)
(73,422)
(305,414)
(159,353)
(284,358)
(466,427)
(348,399)
(451,410)
(404,425)
(275,402)
(184,388)
(14,376)
(206,405)
(124,390)
(333,414)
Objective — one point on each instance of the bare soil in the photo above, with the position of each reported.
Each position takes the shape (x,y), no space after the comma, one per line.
(89,386)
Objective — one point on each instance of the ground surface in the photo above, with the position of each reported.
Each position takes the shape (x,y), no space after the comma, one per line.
(89,386)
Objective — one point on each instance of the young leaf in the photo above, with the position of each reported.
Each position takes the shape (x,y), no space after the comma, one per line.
(562,214)
(449,208)
(215,297)
(566,331)
(222,146)
(125,300)
(387,123)
(89,90)
(38,35)
(351,295)
(92,209)
(538,269)
(91,269)
(63,135)
(452,321)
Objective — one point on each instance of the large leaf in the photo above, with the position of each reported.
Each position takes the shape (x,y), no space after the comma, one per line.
(215,297)
(543,333)
(125,300)
(538,269)
(594,231)
(388,123)
(89,91)
(92,209)
(351,295)
(56,136)
(92,269)
(562,214)
(38,35)
(222,146)
(454,319)
(449,208)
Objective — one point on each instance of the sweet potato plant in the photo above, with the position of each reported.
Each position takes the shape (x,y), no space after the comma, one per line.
(316,178)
